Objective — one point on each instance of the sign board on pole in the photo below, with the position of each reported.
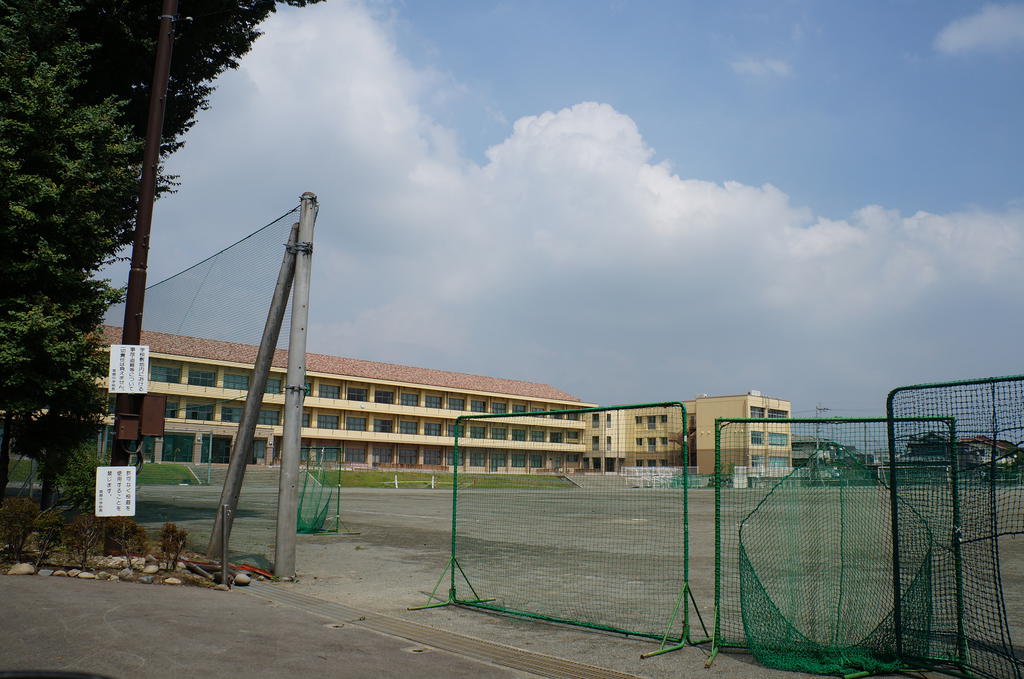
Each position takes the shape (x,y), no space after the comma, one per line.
(129,369)
(115,491)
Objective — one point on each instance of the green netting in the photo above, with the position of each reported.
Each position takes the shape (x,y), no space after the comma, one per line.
(804,550)
(319,507)
(970,495)
(582,534)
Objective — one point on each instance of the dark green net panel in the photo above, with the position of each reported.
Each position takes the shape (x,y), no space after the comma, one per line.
(971,496)
(804,559)
(319,505)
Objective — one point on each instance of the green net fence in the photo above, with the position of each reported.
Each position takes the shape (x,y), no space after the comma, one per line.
(319,504)
(590,531)
(971,497)
(803,545)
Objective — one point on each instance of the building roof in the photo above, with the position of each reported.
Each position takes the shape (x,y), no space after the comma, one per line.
(195,347)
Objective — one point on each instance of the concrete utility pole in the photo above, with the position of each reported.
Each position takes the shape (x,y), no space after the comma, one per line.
(128,406)
(295,391)
(253,400)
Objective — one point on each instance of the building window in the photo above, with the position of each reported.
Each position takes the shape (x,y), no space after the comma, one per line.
(664,440)
(432,456)
(165,373)
(355,423)
(410,399)
(233,381)
(451,429)
(608,420)
(383,396)
(757,438)
(757,461)
(357,455)
(595,442)
(432,401)
(777,414)
(556,437)
(518,408)
(383,426)
(271,417)
(431,428)
(575,435)
(329,391)
(776,462)
(408,427)
(652,445)
(229,414)
(307,388)
(639,419)
(327,421)
(499,408)
(558,416)
(518,434)
(497,461)
(305,419)
(595,420)
(518,460)
(407,456)
(536,461)
(456,403)
(664,419)
(572,458)
(476,432)
(476,459)
(756,411)
(202,378)
(478,406)
(775,439)
(607,443)
(639,442)
(652,422)
(198,411)
(171,409)
(498,433)
(273,386)
(355,394)
(537,436)
(382,454)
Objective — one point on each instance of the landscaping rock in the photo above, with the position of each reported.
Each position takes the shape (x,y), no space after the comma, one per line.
(138,562)
(114,578)
(73,573)
(242,579)
(22,569)
(103,575)
(146,579)
(172,581)
(87,576)
(223,588)
(126,574)
(44,572)
(60,573)
(151,569)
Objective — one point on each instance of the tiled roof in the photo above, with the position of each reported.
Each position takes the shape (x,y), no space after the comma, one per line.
(194,347)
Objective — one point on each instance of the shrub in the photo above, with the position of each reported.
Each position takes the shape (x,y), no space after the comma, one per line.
(49,526)
(82,536)
(77,481)
(172,543)
(17,521)
(128,536)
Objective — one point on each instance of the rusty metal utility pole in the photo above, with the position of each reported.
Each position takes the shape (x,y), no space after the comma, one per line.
(126,425)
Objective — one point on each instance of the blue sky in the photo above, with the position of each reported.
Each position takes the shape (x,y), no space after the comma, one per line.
(636,200)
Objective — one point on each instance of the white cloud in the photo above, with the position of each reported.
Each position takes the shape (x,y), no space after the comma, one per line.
(761,67)
(994,27)
(569,256)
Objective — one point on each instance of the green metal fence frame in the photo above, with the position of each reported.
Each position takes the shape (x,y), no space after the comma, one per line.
(716,643)
(667,643)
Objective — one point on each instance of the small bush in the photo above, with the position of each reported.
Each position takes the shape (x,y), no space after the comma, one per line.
(82,537)
(17,521)
(77,481)
(172,543)
(128,536)
(49,526)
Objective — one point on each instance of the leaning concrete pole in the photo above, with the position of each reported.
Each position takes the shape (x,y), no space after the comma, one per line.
(295,391)
(254,399)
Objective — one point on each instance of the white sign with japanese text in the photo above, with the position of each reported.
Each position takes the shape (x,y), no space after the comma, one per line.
(129,369)
(115,491)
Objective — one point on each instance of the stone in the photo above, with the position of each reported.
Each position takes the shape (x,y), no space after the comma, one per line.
(87,576)
(151,569)
(223,588)
(242,579)
(182,566)
(103,575)
(146,579)
(45,572)
(22,569)
(172,581)
(126,573)
(60,573)
(138,562)
(114,578)
(73,573)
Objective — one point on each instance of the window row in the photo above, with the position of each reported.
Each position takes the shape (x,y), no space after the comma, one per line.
(774,438)
(774,413)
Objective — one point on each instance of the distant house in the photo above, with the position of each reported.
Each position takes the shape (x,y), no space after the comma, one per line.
(932,449)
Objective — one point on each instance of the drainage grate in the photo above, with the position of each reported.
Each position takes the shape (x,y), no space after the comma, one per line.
(507,656)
